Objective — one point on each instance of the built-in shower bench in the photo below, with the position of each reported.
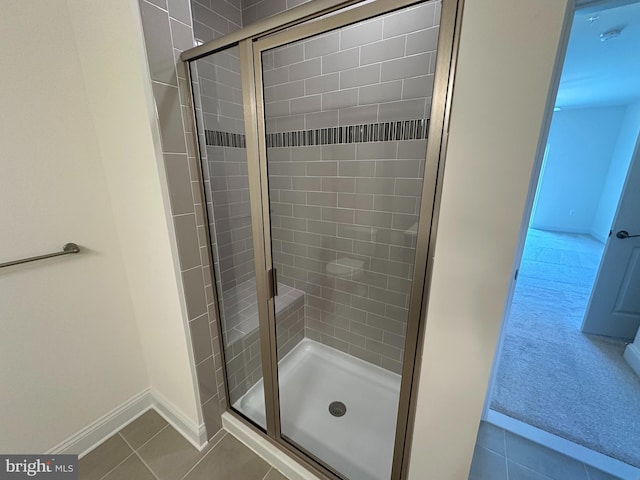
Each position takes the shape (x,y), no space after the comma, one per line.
(241,334)
(240,308)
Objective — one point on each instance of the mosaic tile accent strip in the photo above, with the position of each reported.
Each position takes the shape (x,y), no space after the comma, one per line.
(372,132)
(216,138)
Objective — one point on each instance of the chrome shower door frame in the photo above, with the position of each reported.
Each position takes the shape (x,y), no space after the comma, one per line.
(282,29)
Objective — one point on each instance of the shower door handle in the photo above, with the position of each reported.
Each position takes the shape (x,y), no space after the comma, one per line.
(273,280)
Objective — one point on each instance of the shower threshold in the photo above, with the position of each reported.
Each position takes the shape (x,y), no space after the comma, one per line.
(359,443)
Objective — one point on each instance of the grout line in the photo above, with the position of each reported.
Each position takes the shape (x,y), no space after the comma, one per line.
(176,153)
(267,474)
(538,473)
(210,356)
(166,84)
(180,21)
(127,458)
(506,465)
(146,465)
(127,442)
(135,452)
(586,470)
(506,458)
(205,455)
(504,441)
(157,6)
(154,436)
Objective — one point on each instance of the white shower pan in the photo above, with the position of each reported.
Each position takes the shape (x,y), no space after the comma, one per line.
(359,444)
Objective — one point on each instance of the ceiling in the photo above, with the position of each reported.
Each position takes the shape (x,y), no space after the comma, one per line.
(597,73)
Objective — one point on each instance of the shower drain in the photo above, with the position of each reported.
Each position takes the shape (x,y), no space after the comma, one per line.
(337,409)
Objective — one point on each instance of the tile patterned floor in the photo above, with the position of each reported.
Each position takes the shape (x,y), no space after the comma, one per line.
(150,449)
(500,455)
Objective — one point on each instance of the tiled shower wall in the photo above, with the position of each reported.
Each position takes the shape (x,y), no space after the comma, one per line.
(376,71)
(225,172)
(219,107)
(363,209)
(225,175)
(215,18)
(254,10)
(167,29)
(351,201)
(219,96)
(244,367)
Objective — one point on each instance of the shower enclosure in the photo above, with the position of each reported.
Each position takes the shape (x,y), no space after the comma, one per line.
(320,135)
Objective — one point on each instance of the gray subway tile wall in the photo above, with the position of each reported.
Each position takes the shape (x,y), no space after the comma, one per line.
(242,335)
(187,237)
(344,224)
(170,116)
(155,22)
(167,29)
(364,33)
(209,20)
(179,180)
(219,110)
(385,65)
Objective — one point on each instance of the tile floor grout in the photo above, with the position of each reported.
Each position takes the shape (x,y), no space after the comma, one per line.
(211,449)
(543,476)
(486,467)
(146,465)
(135,452)
(587,470)
(487,450)
(152,437)
(506,458)
(127,458)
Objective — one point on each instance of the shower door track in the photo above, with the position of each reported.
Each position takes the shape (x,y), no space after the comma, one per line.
(278,30)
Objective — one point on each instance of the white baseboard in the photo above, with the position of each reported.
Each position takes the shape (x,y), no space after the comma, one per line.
(264,449)
(601,238)
(89,437)
(96,432)
(561,229)
(195,434)
(578,452)
(632,356)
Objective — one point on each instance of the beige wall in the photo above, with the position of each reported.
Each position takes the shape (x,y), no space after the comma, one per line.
(110,46)
(69,348)
(507,54)
(78,165)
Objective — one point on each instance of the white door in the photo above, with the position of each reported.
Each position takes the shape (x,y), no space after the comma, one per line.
(614,307)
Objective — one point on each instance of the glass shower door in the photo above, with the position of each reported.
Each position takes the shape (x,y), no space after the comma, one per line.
(346,116)
(221,130)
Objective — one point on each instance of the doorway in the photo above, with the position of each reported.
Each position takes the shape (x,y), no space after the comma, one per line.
(560,377)
(314,142)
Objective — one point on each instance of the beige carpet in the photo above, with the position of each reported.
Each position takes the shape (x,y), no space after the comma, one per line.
(551,375)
